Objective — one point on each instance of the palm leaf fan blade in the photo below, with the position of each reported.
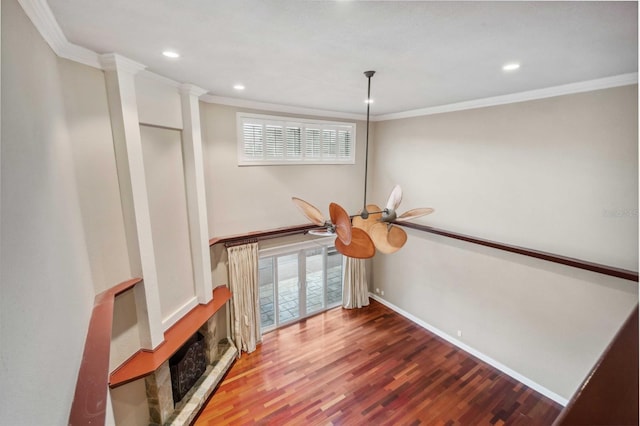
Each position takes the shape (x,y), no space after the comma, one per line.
(309,211)
(414,214)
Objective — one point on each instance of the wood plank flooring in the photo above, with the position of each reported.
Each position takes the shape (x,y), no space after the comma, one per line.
(368,366)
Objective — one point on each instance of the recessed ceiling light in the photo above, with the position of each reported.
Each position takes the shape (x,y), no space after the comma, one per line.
(239,87)
(511,66)
(368,101)
(171,54)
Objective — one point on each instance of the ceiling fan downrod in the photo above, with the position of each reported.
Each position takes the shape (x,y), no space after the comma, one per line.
(365,214)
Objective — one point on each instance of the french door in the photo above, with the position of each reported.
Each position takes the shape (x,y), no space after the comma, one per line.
(298,282)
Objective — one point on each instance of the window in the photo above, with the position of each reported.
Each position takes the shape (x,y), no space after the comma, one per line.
(264,139)
(298,281)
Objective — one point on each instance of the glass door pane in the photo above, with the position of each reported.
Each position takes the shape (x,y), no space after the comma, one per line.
(266,292)
(288,288)
(334,277)
(314,280)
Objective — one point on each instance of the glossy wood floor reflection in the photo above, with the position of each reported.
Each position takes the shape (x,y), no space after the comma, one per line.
(368,366)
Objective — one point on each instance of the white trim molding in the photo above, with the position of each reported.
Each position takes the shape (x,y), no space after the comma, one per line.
(42,18)
(194,180)
(549,92)
(191,90)
(492,362)
(287,109)
(115,62)
(179,313)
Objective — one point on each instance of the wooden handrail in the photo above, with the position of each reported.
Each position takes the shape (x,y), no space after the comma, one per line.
(609,394)
(90,399)
(549,257)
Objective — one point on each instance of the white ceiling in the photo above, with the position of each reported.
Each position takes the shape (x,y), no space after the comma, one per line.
(312,54)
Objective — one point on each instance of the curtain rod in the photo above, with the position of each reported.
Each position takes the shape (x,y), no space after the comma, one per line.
(240,242)
(263,235)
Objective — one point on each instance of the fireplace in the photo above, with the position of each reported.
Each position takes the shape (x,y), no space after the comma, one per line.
(186,366)
(205,351)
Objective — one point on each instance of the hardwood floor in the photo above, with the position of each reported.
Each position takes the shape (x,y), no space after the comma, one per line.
(368,366)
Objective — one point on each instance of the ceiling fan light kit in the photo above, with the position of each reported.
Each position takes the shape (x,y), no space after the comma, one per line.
(372,228)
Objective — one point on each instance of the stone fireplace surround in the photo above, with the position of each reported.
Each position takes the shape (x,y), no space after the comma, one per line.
(157,406)
(220,354)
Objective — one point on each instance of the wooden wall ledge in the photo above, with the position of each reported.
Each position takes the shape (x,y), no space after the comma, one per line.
(549,257)
(90,398)
(145,362)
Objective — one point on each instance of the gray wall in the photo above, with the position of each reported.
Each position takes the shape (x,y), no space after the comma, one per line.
(558,175)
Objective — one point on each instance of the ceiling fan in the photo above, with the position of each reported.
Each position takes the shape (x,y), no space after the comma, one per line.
(372,228)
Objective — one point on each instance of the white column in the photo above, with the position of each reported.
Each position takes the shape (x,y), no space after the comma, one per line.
(194,182)
(123,108)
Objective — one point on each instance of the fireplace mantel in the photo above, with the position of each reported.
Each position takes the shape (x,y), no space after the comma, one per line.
(145,362)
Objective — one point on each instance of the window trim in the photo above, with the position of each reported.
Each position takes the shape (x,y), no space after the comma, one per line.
(297,122)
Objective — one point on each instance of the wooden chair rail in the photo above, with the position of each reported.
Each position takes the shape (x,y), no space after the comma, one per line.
(549,257)
(90,398)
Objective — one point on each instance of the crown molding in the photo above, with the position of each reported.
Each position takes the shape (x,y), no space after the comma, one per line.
(549,92)
(42,18)
(115,62)
(192,90)
(289,109)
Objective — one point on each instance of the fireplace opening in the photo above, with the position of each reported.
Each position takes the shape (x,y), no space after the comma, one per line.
(186,366)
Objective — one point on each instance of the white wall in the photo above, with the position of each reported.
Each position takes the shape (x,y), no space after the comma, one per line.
(162,152)
(46,276)
(89,132)
(558,175)
(158,101)
(251,198)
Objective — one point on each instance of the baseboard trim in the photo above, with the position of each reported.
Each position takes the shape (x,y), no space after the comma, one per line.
(496,364)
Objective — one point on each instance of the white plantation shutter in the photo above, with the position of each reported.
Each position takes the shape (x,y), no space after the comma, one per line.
(252,134)
(274,141)
(312,144)
(294,142)
(344,144)
(264,139)
(329,143)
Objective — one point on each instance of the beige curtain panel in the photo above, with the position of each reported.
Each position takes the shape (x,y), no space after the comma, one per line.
(245,308)
(355,293)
